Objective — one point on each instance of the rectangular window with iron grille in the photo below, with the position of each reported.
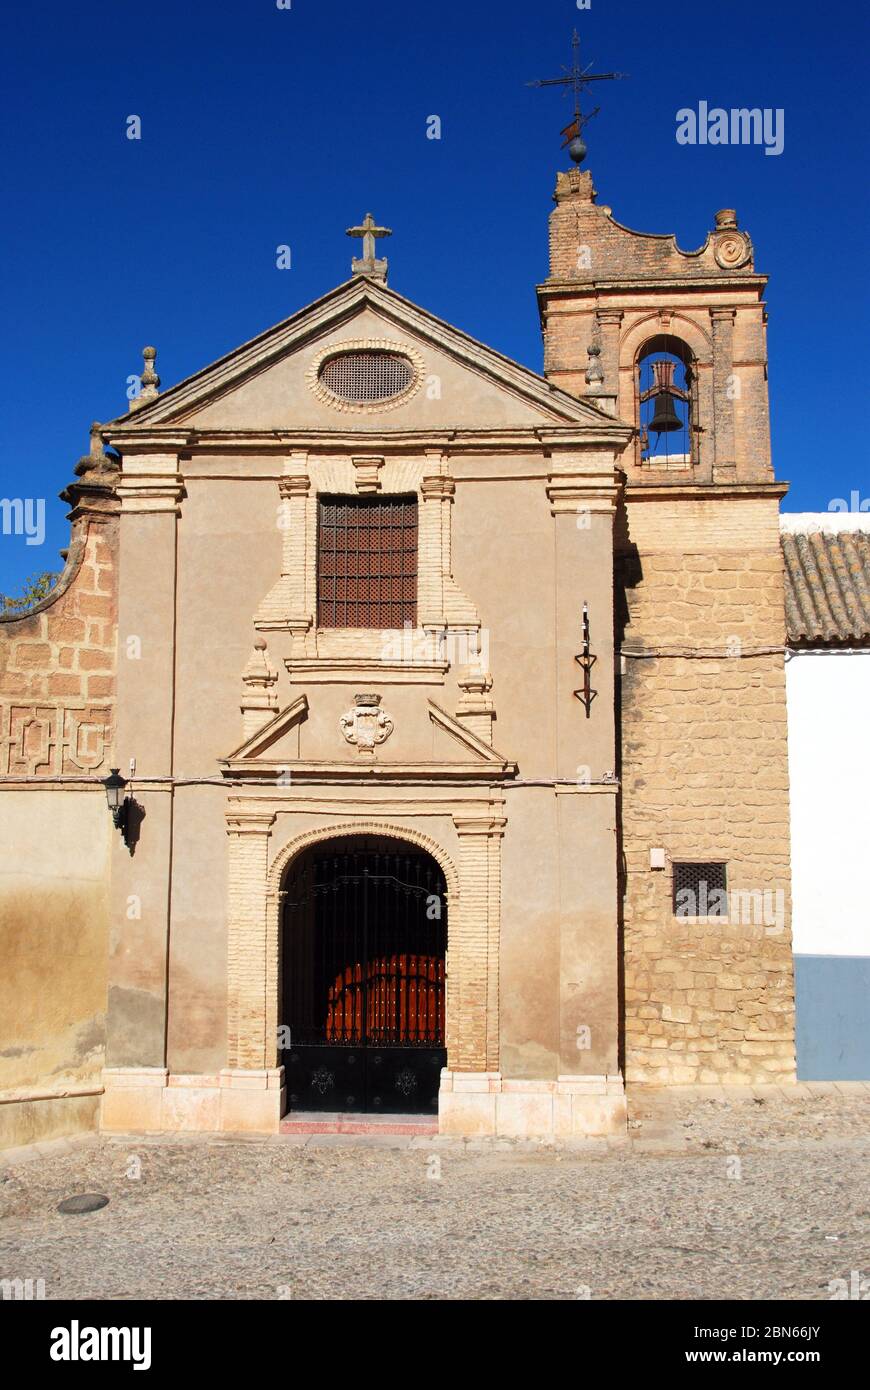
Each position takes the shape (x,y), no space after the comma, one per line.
(367,562)
(700,890)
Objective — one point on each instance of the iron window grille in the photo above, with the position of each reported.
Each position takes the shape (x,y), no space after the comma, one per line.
(699,890)
(367,376)
(367,562)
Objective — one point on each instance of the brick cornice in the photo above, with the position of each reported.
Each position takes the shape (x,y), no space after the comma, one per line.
(640,284)
(703,492)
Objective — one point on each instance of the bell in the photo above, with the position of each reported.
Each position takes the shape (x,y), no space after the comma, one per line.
(665,418)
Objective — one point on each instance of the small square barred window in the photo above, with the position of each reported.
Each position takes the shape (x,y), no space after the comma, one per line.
(367,562)
(700,890)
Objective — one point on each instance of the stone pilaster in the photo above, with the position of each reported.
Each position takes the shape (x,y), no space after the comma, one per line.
(151,490)
(583,502)
(609,321)
(724,461)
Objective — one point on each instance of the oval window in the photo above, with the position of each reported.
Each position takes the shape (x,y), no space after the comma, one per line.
(366,377)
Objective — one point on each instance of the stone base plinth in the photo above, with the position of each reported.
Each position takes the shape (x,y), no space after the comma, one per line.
(150,1099)
(486,1103)
(37,1117)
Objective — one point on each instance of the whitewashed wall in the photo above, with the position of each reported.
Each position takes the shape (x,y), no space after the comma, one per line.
(829,764)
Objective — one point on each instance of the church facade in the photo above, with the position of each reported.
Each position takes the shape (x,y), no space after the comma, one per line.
(448,707)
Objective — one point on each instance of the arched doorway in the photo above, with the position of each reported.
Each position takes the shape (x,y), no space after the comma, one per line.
(364,940)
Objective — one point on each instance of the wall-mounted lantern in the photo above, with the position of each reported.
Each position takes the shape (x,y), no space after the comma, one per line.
(119,804)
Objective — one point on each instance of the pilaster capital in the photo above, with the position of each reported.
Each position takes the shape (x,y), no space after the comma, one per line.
(157,494)
(294,485)
(574,486)
(241,822)
(609,316)
(723,315)
(149,480)
(480,825)
(437,487)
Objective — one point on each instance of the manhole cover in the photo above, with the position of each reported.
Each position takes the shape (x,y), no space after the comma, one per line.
(83,1201)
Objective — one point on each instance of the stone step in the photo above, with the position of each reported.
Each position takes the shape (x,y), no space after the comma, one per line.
(323,1122)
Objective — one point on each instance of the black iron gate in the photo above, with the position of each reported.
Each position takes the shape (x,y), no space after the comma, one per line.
(363,963)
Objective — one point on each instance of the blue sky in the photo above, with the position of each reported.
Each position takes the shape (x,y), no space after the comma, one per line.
(264,126)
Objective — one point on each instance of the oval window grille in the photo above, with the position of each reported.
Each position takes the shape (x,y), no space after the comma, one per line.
(366,377)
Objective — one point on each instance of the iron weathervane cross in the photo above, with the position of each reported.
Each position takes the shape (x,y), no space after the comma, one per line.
(578,78)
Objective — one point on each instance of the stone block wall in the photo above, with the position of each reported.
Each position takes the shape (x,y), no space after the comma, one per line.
(705,777)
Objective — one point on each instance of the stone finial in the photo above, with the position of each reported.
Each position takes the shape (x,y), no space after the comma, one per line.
(259,700)
(594,370)
(150,380)
(574,184)
(96,460)
(725,217)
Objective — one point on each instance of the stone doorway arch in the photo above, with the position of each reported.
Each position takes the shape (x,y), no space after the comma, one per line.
(255,888)
(364,935)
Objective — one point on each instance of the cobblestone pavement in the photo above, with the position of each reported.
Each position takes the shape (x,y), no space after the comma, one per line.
(710,1198)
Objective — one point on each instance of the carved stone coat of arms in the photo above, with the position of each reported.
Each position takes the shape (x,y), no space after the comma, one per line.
(366,725)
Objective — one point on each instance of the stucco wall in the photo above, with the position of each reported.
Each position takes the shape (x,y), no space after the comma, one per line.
(228,556)
(54,928)
(57,722)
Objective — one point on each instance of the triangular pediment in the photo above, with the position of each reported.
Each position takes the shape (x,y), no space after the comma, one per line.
(266,384)
(274,751)
(265,740)
(473,747)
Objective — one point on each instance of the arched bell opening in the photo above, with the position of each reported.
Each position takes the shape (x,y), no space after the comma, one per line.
(666,387)
(363,980)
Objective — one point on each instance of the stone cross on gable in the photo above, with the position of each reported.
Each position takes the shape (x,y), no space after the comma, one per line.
(369,264)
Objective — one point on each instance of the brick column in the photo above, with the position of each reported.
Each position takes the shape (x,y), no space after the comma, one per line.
(252,945)
(437,492)
(473,945)
(290,605)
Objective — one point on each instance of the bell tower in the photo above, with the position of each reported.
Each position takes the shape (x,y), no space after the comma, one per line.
(672,342)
